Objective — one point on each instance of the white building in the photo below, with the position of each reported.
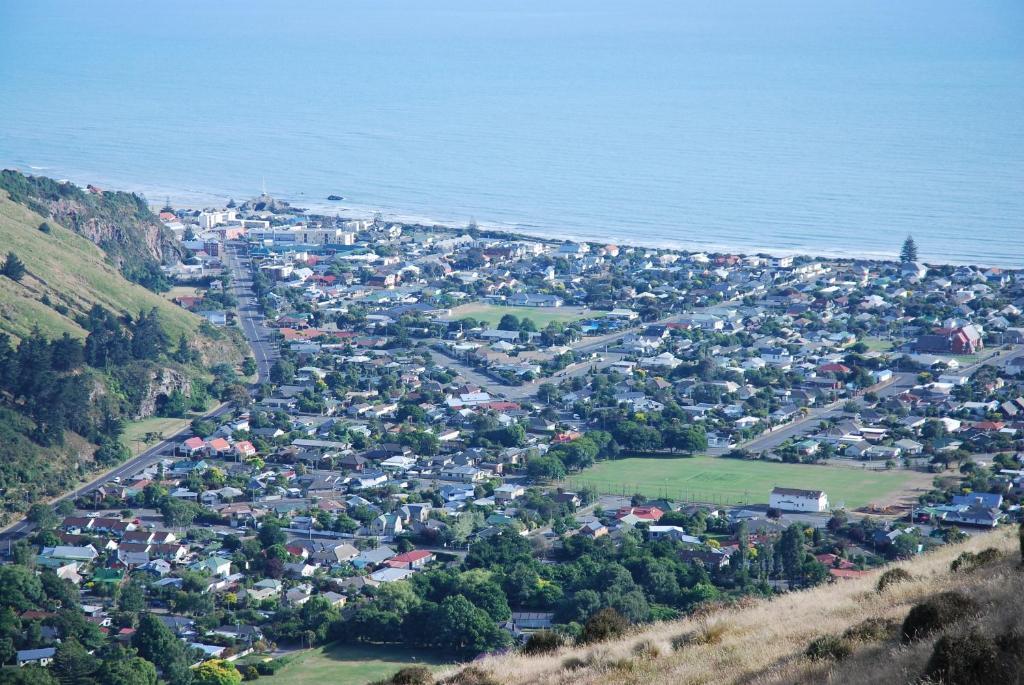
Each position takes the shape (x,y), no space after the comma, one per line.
(792,499)
(208,220)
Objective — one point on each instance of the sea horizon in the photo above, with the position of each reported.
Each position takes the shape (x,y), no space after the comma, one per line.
(794,128)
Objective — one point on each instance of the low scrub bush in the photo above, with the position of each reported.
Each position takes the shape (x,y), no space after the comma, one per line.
(872,630)
(711,634)
(936,614)
(413,675)
(269,667)
(829,647)
(543,642)
(892,577)
(605,625)
(471,675)
(969,658)
(969,561)
(647,649)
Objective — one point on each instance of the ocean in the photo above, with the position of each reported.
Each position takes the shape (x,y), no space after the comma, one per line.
(795,126)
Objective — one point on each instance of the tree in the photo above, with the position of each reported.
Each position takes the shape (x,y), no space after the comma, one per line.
(509,322)
(28,675)
(43,516)
(22,589)
(149,340)
(130,598)
(545,468)
(73,665)
(459,625)
(217,672)
(909,251)
(271,534)
(791,549)
(158,644)
(13,267)
(282,371)
(125,669)
(179,513)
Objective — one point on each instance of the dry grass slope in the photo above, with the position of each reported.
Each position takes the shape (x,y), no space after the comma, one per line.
(764,642)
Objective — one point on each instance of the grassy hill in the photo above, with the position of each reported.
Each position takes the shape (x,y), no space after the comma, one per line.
(859,632)
(67,275)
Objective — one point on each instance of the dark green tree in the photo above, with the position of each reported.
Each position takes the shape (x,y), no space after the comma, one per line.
(282,371)
(509,322)
(130,670)
(73,665)
(43,516)
(13,267)
(909,251)
(156,643)
(791,549)
(458,625)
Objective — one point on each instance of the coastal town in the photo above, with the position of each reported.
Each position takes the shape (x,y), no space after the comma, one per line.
(466,441)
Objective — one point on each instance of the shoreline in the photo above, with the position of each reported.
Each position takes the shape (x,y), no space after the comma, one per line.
(202,199)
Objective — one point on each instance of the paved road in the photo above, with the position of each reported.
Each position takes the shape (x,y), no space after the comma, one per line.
(809,423)
(130,467)
(256,336)
(250,320)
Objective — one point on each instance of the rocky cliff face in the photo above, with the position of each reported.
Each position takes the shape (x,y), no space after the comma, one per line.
(163,381)
(123,235)
(120,223)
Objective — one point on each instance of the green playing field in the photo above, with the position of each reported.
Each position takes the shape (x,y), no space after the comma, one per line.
(734,481)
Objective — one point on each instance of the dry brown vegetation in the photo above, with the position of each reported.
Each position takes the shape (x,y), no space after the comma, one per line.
(766,642)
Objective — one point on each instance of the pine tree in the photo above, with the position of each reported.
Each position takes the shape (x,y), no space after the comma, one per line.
(909,251)
(14,269)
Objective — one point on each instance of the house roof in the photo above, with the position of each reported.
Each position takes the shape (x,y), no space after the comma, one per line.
(410,557)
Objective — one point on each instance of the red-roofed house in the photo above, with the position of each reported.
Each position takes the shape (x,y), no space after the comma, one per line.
(245,449)
(634,515)
(418,558)
(219,446)
(193,446)
(834,368)
(833,561)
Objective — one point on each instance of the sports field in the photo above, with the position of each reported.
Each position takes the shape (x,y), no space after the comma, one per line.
(733,481)
(541,316)
(350,664)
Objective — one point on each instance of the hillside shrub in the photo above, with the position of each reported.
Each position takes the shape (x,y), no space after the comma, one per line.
(872,630)
(605,625)
(471,675)
(969,561)
(543,642)
(249,672)
(413,675)
(711,634)
(647,649)
(969,658)
(937,613)
(829,647)
(892,577)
